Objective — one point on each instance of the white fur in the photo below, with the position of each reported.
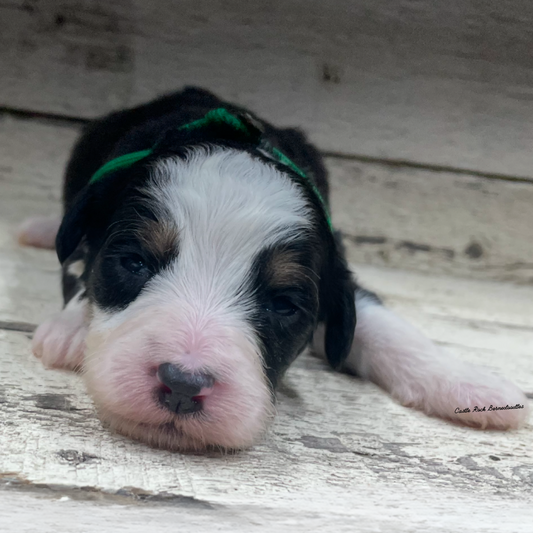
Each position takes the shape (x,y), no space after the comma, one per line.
(60,341)
(227,208)
(399,358)
(76,268)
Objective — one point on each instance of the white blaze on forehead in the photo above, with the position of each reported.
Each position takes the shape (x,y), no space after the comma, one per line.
(227,206)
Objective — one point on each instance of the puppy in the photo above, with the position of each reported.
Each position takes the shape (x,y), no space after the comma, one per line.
(199,261)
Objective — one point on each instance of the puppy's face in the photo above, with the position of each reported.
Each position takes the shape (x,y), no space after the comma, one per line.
(205,281)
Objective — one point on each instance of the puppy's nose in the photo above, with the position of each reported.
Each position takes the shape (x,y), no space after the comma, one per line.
(180,392)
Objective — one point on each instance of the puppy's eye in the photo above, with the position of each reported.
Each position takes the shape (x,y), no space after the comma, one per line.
(283,306)
(134,264)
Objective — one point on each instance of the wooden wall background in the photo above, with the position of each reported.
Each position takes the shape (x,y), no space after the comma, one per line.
(424,108)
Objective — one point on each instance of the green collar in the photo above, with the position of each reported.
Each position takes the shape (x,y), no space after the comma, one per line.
(215,116)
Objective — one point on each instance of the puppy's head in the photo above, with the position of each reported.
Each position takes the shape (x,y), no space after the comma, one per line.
(207,273)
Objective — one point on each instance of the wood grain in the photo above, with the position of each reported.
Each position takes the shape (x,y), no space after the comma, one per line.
(442,83)
(339,449)
(369,513)
(434,221)
(433,84)
(392,216)
(394,510)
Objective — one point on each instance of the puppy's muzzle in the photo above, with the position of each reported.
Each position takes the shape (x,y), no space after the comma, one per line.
(182,392)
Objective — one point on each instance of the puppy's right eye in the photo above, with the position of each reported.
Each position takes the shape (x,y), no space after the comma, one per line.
(283,306)
(134,264)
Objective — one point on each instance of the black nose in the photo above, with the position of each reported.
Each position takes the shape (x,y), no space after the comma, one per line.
(180,389)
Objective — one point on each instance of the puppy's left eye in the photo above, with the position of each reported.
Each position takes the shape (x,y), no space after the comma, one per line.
(283,306)
(134,264)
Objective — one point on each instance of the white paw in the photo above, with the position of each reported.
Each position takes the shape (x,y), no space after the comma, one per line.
(60,341)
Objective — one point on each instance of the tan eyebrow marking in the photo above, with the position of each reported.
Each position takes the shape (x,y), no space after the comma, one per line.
(159,238)
(285,269)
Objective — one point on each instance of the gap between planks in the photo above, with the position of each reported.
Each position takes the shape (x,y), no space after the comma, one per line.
(403,217)
(21,327)
(60,119)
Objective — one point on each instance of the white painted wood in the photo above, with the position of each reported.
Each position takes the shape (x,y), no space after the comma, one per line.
(443,83)
(475,319)
(406,218)
(32,156)
(339,450)
(30,289)
(370,512)
(434,221)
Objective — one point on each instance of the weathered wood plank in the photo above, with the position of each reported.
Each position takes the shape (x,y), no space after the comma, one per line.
(370,512)
(30,289)
(441,83)
(434,221)
(32,156)
(399,217)
(341,456)
(478,320)
(338,448)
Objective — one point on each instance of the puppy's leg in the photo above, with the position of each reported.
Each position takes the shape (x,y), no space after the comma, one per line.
(60,341)
(399,358)
(39,232)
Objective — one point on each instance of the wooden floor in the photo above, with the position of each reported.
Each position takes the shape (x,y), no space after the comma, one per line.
(341,455)
(432,183)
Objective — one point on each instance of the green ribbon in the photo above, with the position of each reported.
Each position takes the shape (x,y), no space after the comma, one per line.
(215,116)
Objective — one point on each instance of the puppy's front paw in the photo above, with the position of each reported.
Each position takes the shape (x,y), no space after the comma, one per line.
(60,341)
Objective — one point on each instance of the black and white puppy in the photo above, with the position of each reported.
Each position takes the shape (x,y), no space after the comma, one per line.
(198,262)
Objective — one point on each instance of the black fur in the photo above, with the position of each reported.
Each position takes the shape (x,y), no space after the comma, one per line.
(284,337)
(141,127)
(338,305)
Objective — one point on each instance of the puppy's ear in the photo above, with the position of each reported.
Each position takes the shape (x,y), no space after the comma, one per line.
(73,226)
(339,306)
(89,214)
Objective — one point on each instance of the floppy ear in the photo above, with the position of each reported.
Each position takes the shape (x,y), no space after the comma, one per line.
(73,226)
(90,213)
(339,307)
